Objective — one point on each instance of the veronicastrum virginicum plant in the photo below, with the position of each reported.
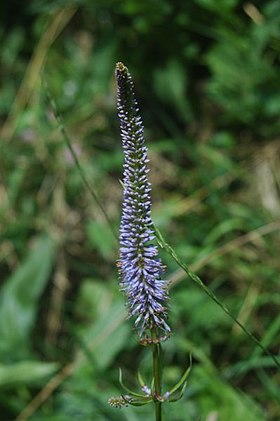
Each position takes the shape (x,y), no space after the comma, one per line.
(140,267)
(139,264)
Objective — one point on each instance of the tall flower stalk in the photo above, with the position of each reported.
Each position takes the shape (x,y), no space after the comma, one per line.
(140,267)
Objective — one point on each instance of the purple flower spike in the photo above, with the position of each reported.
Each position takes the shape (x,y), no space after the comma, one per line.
(139,266)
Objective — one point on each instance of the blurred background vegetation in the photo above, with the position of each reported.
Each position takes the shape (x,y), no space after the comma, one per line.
(208,82)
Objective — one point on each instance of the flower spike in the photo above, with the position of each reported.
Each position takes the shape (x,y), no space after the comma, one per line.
(140,267)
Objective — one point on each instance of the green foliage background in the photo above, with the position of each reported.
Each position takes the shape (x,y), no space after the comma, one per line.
(208,82)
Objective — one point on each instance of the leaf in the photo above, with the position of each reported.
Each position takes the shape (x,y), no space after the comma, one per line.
(107,335)
(211,294)
(217,395)
(140,379)
(25,372)
(181,394)
(183,378)
(77,162)
(101,238)
(126,388)
(19,299)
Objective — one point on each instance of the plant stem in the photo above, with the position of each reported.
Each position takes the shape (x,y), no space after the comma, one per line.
(157,379)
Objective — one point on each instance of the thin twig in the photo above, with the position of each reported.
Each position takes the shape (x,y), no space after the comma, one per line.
(77,162)
(227,248)
(212,295)
(46,392)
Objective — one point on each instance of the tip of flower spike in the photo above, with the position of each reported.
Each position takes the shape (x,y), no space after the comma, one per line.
(120,67)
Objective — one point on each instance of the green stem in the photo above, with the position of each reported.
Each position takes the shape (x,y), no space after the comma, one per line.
(157,380)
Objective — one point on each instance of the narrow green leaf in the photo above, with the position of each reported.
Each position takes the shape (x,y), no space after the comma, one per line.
(163,244)
(182,380)
(140,402)
(19,299)
(25,372)
(180,394)
(140,379)
(77,162)
(126,388)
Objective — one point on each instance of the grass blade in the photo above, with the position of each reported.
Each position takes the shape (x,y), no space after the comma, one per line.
(163,244)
